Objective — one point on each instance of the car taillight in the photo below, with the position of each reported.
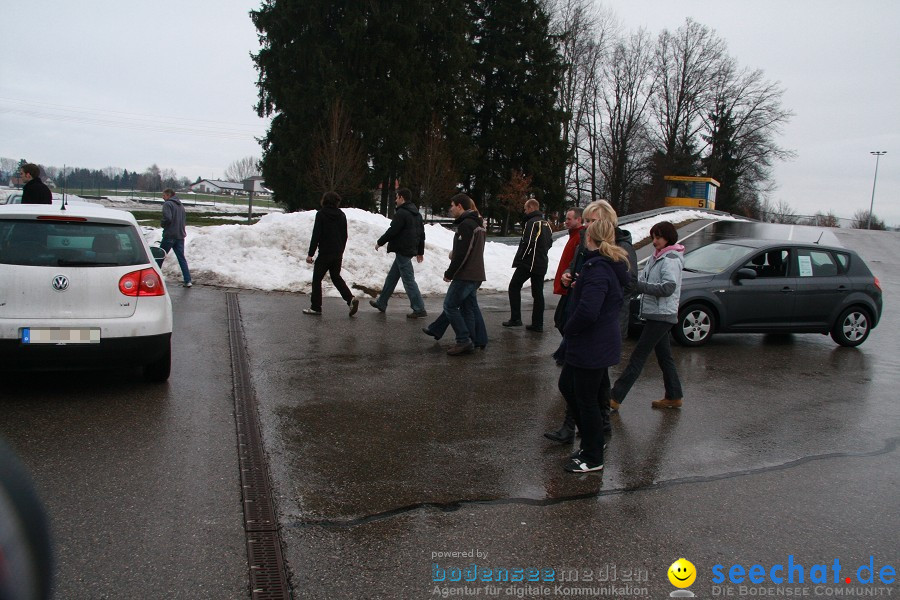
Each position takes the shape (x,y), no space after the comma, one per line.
(145,282)
(878,285)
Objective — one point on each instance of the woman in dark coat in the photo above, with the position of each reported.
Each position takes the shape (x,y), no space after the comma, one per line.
(593,340)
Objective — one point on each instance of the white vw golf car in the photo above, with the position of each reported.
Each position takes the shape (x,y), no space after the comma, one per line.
(79,289)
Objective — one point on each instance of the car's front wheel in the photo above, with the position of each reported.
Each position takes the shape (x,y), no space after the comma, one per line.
(852,327)
(696,324)
(158,371)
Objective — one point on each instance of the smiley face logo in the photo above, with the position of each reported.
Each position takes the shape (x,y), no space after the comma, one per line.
(682,573)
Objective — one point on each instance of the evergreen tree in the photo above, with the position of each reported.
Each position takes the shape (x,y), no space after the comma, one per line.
(515,120)
(720,163)
(390,63)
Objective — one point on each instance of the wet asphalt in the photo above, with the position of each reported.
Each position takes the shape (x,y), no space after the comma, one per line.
(386,454)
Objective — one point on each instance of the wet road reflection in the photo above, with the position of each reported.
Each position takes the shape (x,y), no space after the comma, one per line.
(369,416)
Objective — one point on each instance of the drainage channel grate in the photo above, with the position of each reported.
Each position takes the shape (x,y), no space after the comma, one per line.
(268,575)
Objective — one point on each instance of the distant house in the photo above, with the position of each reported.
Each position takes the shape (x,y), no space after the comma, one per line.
(214,186)
(235,188)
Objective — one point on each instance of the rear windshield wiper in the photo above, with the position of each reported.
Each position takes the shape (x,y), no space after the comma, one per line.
(85,263)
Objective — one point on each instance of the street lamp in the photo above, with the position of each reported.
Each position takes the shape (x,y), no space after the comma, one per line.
(878,155)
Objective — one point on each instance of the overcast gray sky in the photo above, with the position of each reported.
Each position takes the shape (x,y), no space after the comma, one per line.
(101,83)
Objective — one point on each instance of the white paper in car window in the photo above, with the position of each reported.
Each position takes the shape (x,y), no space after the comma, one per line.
(805,266)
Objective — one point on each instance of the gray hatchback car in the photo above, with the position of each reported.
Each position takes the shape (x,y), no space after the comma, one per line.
(765,286)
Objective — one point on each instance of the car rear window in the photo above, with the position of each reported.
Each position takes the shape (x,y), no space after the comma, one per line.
(816,263)
(69,244)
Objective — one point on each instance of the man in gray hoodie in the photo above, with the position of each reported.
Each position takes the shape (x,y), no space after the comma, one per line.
(174,232)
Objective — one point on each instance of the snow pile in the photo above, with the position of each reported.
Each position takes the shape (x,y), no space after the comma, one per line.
(270,255)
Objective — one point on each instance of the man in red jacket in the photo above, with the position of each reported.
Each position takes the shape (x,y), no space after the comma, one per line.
(576,228)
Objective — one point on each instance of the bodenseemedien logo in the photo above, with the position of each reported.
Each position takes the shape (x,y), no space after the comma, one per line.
(682,573)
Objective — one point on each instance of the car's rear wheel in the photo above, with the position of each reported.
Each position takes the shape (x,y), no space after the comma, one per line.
(696,324)
(852,327)
(158,371)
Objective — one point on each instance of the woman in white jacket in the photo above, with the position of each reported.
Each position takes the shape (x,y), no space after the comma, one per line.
(660,283)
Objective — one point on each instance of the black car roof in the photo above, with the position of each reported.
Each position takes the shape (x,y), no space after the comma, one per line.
(759,244)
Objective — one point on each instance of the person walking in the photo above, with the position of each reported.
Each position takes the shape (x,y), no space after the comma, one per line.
(575,227)
(598,210)
(465,275)
(34,191)
(530,263)
(406,239)
(593,341)
(175,231)
(329,236)
(660,284)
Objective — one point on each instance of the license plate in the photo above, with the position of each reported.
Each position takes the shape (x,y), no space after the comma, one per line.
(60,335)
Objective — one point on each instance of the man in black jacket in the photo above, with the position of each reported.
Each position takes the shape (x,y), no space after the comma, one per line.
(329,235)
(34,191)
(530,263)
(405,238)
(465,274)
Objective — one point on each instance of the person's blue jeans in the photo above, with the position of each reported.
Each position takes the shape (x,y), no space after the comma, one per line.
(654,337)
(402,268)
(471,313)
(460,294)
(178,247)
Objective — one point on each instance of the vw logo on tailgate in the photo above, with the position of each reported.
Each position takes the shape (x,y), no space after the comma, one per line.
(60,283)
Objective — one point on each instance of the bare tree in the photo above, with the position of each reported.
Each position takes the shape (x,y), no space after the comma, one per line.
(623,138)
(169,178)
(861,221)
(584,33)
(242,169)
(338,161)
(112,172)
(779,212)
(686,64)
(151,179)
(826,220)
(9,166)
(429,169)
(741,129)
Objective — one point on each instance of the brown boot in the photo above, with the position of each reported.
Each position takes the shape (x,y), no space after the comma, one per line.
(667,403)
(460,349)
(613,405)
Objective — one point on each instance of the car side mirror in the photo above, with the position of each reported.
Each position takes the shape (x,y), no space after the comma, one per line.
(159,255)
(745,273)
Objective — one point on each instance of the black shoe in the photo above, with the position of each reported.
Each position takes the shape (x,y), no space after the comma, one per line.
(512,323)
(374,304)
(417,314)
(480,346)
(459,349)
(537,328)
(427,331)
(354,306)
(563,435)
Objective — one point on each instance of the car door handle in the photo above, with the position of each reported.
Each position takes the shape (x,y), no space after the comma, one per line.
(842,288)
(787,289)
